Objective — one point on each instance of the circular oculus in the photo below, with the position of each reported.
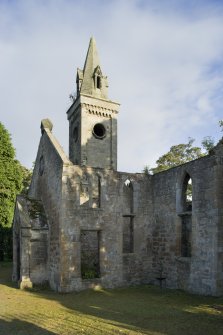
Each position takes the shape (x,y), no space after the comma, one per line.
(99,131)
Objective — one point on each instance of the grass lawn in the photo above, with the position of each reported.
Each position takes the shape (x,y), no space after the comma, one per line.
(135,310)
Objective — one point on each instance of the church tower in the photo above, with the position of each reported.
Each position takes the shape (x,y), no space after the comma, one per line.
(93,117)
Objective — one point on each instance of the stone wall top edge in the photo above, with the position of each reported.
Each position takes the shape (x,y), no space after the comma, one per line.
(186,166)
(58,149)
(85,168)
(131,173)
(71,168)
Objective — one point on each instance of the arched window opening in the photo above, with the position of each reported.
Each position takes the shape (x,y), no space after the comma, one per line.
(186,216)
(97,78)
(128,217)
(187,193)
(128,197)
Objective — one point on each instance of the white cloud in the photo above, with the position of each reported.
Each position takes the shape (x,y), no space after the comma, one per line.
(164,66)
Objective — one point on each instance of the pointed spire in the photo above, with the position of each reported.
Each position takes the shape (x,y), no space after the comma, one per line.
(93,83)
(92,59)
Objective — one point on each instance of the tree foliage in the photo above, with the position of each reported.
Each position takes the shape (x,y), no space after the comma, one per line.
(208,143)
(177,155)
(146,170)
(14,178)
(181,154)
(26,180)
(11,176)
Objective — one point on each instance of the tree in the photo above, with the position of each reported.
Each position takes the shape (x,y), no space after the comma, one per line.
(26,180)
(208,143)
(182,153)
(178,154)
(146,170)
(11,177)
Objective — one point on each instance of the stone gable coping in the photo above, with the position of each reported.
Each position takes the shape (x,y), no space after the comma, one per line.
(57,147)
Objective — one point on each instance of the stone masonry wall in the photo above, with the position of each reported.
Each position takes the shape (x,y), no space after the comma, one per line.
(219,192)
(38,256)
(116,267)
(198,272)
(105,202)
(46,185)
(155,215)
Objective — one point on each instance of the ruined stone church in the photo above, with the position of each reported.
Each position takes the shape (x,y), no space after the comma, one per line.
(85,224)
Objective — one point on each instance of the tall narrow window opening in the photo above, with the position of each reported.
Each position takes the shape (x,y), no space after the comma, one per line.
(186,236)
(99,191)
(187,193)
(98,82)
(128,217)
(128,234)
(97,78)
(128,197)
(84,191)
(96,192)
(186,216)
(90,261)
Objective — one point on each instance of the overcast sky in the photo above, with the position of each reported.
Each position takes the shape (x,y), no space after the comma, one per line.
(163,59)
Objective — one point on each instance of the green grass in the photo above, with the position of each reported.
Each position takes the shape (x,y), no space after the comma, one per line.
(135,310)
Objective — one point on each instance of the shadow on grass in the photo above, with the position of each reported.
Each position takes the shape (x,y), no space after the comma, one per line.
(142,309)
(19,327)
(6,274)
(147,309)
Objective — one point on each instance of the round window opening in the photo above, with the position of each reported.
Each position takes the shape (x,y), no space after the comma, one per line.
(99,131)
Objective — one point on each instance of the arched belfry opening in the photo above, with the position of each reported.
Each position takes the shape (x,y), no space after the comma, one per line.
(98,78)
